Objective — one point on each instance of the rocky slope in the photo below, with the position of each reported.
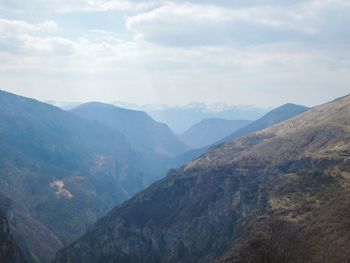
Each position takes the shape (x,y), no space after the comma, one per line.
(209,131)
(61,172)
(9,251)
(292,179)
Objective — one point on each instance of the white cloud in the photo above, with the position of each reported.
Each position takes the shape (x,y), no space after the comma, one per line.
(209,24)
(63,6)
(175,52)
(18,26)
(18,36)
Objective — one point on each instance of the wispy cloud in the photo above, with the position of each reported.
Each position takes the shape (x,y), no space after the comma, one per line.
(36,39)
(208,24)
(177,51)
(17,26)
(63,6)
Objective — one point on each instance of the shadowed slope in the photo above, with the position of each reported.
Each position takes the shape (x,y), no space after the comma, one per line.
(9,251)
(61,172)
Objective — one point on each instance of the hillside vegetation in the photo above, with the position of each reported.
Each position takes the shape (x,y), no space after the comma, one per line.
(292,179)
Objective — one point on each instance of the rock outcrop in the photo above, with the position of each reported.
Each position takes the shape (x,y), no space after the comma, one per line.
(9,251)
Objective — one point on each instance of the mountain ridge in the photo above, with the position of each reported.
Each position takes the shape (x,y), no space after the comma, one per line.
(194,214)
(281,113)
(142,132)
(209,131)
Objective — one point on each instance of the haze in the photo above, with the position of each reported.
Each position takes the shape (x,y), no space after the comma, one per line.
(262,53)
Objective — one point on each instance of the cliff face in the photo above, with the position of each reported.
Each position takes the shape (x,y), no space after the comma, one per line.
(9,251)
(293,178)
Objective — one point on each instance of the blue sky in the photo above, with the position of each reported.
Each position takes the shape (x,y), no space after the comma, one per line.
(260,52)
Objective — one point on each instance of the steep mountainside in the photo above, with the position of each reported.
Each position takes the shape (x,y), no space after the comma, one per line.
(273,117)
(294,176)
(209,131)
(142,132)
(9,251)
(61,172)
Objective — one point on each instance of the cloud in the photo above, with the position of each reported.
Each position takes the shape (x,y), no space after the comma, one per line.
(18,26)
(64,6)
(25,38)
(257,52)
(187,24)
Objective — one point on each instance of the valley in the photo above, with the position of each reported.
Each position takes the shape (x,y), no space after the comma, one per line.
(221,206)
(91,183)
(163,131)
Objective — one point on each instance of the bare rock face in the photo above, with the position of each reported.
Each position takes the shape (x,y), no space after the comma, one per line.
(292,178)
(9,251)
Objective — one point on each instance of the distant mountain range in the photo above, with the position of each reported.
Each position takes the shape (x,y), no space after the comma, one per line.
(277,195)
(142,132)
(271,118)
(181,118)
(209,131)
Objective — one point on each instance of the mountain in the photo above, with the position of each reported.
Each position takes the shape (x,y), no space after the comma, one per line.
(181,118)
(209,131)
(142,132)
(61,172)
(278,195)
(9,250)
(271,118)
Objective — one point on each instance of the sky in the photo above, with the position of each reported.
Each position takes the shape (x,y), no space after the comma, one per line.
(258,52)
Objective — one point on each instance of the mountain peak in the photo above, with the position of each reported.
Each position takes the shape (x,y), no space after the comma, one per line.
(289,107)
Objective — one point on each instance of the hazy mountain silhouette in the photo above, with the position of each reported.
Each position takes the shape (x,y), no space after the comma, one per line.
(142,132)
(181,118)
(209,131)
(271,118)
